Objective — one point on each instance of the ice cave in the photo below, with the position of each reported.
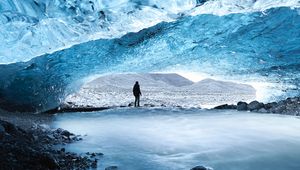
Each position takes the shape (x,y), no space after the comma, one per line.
(55,52)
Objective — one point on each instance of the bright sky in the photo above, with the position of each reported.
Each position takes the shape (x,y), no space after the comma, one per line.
(193,76)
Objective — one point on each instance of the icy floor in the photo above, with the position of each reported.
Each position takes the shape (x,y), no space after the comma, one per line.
(100,97)
(165,139)
(160,89)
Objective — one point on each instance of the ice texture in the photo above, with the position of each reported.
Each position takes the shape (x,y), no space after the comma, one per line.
(261,46)
(34,27)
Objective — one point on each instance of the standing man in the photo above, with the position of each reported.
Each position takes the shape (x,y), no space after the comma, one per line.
(137,93)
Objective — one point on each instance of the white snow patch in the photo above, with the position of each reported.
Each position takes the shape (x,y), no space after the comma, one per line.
(167,89)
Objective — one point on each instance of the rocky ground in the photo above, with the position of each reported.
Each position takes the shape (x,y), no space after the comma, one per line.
(289,106)
(33,148)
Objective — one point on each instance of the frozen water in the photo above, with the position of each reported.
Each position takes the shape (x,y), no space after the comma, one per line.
(178,139)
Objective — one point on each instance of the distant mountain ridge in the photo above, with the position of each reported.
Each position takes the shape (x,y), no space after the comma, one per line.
(216,86)
(167,89)
(169,80)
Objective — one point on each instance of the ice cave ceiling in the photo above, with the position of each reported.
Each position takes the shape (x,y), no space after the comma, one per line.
(243,40)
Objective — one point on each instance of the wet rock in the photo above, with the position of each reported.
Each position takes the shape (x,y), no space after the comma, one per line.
(290,106)
(2,132)
(131,104)
(278,109)
(242,106)
(2,129)
(94,164)
(111,168)
(51,137)
(49,161)
(255,105)
(270,105)
(226,106)
(201,168)
(149,105)
(263,110)
(66,133)
(32,149)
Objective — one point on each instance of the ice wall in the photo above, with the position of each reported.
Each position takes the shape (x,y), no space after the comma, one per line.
(261,45)
(34,27)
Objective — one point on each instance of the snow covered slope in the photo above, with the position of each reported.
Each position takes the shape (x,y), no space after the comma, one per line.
(214,86)
(158,89)
(146,79)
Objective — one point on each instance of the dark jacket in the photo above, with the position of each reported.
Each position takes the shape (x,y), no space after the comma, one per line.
(136,90)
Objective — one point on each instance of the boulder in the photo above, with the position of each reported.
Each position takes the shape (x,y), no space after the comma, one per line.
(263,110)
(111,168)
(66,133)
(149,105)
(226,106)
(2,131)
(270,105)
(255,106)
(278,109)
(241,106)
(201,168)
(49,161)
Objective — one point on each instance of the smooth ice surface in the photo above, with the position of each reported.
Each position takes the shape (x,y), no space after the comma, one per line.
(178,139)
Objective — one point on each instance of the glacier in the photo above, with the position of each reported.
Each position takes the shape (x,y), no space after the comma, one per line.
(168,90)
(49,48)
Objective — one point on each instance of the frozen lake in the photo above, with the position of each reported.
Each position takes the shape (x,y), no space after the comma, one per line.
(167,139)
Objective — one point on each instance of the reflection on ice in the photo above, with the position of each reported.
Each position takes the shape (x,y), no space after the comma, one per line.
(181,139)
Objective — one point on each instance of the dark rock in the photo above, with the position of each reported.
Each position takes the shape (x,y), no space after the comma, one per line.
(94,164)
(20,150)
(255,105)
(278,109)
(263,110)
(295,99)
(131,104)
(226,106)
(2,129)
(100,154)
(49,161)
(51,137)
(111,168)
(200,168)
(149,105)
(270,105)
(66,133)
(242,106)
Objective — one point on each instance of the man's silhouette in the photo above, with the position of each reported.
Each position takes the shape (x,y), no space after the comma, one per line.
(137,93)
